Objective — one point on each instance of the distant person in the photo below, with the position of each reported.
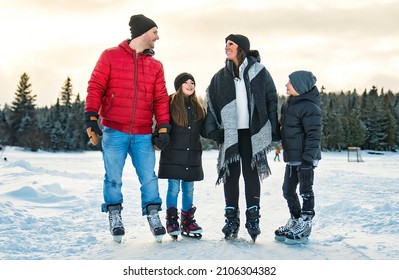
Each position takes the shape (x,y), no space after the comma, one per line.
(2,151)
(127,88)
(277,153)
(242,119)
(301,132)
(181,161)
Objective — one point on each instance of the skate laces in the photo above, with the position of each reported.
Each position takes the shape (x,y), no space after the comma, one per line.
(232,222)
(253,225)
(290,224)
(188,220)
(172,223)
(154,220)
(116,219)
(191,225)
(300,226)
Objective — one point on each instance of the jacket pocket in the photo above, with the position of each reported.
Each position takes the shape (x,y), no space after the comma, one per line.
(108,104)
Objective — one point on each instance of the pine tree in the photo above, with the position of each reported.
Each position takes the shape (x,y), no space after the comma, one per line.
(355,130)
(333,130)
(389,123)
(66,93)
(22,119)
(5,130)
(57,130)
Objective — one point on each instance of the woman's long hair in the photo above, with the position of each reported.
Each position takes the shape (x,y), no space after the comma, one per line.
(241,55)
(178,110)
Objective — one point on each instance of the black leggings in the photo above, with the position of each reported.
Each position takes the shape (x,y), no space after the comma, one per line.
(251,179)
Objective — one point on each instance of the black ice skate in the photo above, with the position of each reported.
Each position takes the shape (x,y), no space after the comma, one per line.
(299,234)
(232,221)
(283,230)
(189,227)
(155,223)
(115,222)
(252,223)
(172,224)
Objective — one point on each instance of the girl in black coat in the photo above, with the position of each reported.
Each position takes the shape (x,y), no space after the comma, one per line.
(301,133)
(181,161)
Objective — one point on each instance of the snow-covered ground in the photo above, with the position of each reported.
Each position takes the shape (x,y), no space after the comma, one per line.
(50,210)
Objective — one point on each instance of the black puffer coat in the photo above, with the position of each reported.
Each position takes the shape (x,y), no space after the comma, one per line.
(301,127)
(182,159)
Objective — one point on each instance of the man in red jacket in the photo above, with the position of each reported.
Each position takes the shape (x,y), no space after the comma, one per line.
(126,89)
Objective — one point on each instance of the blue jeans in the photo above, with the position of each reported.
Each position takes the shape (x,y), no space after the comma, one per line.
(116,146)
(173,191)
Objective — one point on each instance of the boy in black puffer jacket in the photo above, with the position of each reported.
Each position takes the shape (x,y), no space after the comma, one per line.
(301,132)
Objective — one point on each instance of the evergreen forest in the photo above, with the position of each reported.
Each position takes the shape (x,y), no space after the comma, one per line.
(369,120)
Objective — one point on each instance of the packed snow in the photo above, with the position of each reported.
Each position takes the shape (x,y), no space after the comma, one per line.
(50,210)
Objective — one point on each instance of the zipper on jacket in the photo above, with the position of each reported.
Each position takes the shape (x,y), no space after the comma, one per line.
(135,60)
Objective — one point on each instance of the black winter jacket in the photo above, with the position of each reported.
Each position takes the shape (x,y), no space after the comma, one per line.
(182,159)
(301,127)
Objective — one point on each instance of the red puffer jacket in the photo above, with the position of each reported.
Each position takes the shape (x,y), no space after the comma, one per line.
(127,89)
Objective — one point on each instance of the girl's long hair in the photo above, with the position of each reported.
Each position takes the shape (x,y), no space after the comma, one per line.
(178,110)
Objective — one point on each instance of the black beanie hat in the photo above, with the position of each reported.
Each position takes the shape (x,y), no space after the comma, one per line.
(139,24)
(302,81)
(240,40)
(181,78)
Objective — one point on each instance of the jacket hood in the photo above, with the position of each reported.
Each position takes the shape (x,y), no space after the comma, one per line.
(313,96)
(252,57)
(255,54)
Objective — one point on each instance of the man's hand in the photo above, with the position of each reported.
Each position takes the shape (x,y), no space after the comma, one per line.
(160,137)
(92,128)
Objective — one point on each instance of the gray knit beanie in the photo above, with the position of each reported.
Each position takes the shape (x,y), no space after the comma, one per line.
(302,81)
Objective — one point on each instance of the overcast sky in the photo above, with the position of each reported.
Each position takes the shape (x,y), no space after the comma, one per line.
(346,44)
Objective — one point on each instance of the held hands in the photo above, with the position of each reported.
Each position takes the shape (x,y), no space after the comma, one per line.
(217,135)
(92,128)
(305,171)
(160,137)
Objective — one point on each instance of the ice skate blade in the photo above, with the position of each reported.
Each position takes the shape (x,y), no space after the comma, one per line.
(174,234)
(158,238)
(195,235)
(118,238)
(253,238)
(174,237)
(279,238)
(230,237)
(303,240)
